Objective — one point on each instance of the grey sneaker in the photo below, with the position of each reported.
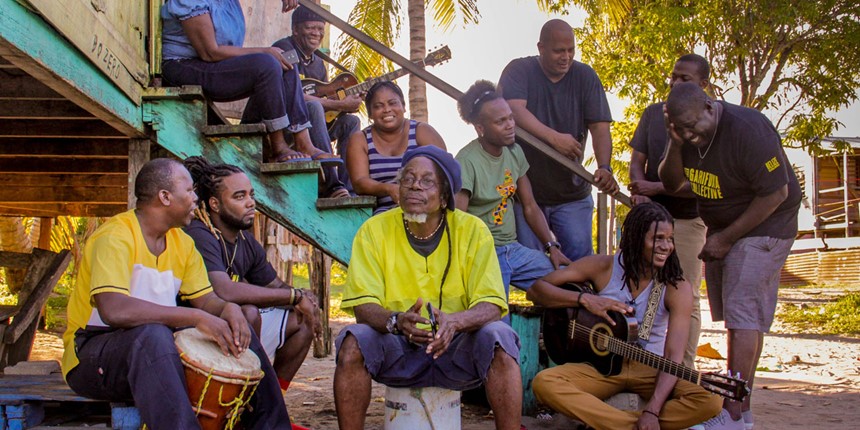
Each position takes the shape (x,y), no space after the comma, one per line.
(723,421)
(748,419)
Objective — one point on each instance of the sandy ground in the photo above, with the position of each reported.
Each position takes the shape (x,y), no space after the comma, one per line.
(813,382)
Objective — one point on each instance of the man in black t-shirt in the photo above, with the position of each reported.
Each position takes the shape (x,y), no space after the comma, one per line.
(308,31)
(649,145)
(560,100)
(748,196)
(238,269)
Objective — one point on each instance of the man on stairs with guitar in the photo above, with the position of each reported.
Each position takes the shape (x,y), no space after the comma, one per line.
(644,282)
(308,31)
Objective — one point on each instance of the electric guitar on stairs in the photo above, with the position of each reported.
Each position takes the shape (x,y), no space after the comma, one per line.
(575,335)
(346,84)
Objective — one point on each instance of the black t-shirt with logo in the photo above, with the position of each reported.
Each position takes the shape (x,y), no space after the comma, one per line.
(650,139)
(746,160)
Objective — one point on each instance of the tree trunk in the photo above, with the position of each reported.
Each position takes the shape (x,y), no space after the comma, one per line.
(13,238)
(417,50)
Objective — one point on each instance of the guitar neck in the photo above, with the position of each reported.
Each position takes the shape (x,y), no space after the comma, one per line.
(390,76)
(648,358)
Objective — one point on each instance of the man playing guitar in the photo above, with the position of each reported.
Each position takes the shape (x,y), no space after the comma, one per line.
(308,31)
(644,277)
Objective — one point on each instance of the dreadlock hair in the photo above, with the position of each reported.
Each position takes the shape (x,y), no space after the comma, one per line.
(633,234)
(469,105)
(207,179)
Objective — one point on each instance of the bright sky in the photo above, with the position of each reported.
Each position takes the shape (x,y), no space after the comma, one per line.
(507,29)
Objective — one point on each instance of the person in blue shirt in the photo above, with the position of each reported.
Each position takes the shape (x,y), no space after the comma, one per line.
(202,45)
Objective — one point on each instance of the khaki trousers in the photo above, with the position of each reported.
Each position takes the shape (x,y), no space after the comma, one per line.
(689,240)
(578,390)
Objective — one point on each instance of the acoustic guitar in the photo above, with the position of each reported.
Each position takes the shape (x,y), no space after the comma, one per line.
(575,335)
(346,84)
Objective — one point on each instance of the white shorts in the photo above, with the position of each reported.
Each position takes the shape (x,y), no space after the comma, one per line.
(274,324)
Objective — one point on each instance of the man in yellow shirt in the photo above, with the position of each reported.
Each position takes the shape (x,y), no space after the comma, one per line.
(122,313)
(425,251)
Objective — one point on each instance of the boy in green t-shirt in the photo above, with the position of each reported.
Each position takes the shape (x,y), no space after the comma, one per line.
(494,171)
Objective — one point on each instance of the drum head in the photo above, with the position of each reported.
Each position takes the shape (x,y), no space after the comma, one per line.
(204,355)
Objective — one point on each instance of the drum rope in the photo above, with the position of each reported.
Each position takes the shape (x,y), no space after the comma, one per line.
(237,404)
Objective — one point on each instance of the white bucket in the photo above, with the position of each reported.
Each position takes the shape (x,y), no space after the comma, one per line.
(429,408)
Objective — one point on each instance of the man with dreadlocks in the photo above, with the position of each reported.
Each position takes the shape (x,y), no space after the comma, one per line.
(646,265)
(494,173)
(426,251)
(238,269)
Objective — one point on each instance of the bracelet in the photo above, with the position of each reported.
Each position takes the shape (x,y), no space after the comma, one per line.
(606,167)
(292,296)
(646,411)
(549,245)
(579,299)
(301,296)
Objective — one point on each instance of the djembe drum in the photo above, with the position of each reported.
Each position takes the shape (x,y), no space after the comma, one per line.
(219,386)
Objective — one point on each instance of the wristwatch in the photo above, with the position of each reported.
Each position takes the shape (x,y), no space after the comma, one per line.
(391,324)
(551,244)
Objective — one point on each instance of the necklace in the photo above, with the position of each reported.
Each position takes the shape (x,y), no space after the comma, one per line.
(227,257)
(699,150)
(408,230)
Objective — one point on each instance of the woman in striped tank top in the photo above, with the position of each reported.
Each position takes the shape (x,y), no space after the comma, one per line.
(374,154)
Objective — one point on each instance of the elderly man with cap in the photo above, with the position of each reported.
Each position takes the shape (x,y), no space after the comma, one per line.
(426,252)
(308,32)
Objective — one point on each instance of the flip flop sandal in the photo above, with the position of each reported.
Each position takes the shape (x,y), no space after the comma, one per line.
(326,161)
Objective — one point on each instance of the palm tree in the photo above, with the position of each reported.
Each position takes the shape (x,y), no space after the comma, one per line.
(14,238)
(382,21)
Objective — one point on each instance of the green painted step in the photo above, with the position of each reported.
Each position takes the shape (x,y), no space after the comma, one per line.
(289,198)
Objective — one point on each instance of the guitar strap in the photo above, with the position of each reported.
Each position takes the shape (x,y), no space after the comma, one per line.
(651,310)
(331,61)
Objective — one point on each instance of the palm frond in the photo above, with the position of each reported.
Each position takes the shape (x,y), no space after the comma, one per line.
(380,20)
(446,12)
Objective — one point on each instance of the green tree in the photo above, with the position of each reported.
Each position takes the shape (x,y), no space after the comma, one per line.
(797,60)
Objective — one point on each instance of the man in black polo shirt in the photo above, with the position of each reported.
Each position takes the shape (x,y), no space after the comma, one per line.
(748,196)
(308,31)
(649,144)
(238,269)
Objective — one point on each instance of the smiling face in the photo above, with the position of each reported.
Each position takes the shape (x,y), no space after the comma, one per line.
(659,244)
(309,35)
(556,53)
(495,123)
(387,110)
(235,205)
(423,194)
(697,125)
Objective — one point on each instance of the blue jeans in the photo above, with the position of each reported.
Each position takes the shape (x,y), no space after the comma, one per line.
(119,365)
(275,96)
(521,267)
(570,222)
(322,137)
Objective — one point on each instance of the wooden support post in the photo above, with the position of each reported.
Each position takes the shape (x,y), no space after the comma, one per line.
(138,155)
(320,274)
(525,320)
(602,239)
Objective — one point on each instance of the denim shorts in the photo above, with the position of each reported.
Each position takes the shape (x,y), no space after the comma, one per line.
(395,362)
(742,287)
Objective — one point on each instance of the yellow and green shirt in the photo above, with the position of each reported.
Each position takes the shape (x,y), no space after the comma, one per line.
(117,260)
(386,270)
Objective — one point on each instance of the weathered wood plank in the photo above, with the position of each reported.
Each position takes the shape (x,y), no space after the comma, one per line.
(347,202)
(60,166)
(22,388)
(67,180)
(138,155)
(320,275)
(54,209)
(48,267)
(15,260)
(19,85)
(54,148)
(82,128)
(61,194)
(31,44)
(40,109)
(100,43)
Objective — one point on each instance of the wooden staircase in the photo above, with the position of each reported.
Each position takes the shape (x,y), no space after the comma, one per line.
(285,192)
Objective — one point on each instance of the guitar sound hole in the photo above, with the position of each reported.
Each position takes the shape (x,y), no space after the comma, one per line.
(598,339)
